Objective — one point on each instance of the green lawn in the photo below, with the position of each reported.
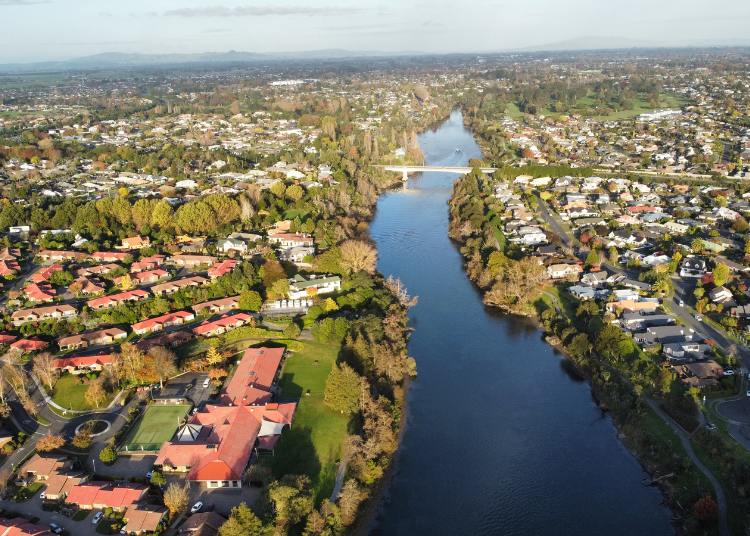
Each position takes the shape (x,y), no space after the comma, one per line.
(70,395)
(314,444)
(291,214)
(568,303)
(157,426)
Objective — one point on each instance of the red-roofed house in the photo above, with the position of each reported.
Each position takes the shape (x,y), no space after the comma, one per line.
(160,322)
(216,444)
(135,242)
(171,287)
(217,306)
(82,364)
(6,338)
(217,270)
(30,345)
(109,256)
(8,267)
(142,278)
(19,526)
(222,325)
(45,272)
(105,302)
(90,495)
(147,263)
(40,293)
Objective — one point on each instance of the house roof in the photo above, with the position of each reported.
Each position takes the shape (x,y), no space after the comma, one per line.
(122,296)
(82,361)
(91,336)
(169,317)
(222,302)
(143,518)
(224,321)
(44,464)
(203,519)
(106,494)
(33,343)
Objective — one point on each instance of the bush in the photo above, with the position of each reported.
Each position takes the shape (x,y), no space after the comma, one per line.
(8,448)
(108,455)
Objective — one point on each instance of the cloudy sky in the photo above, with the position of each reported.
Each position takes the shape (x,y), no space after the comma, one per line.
(38,30)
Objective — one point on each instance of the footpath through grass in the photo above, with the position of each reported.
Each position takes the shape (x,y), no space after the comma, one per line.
(69,394)
(315,443)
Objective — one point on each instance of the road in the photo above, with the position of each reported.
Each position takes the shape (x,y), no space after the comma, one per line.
(554,224)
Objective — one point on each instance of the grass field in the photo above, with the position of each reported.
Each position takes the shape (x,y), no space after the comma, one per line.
(70,395)
(157,426)
(314,444)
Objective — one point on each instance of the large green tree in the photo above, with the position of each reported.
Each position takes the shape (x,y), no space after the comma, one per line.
(343,388)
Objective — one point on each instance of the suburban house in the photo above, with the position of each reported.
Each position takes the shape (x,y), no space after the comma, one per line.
(61,256)
(143,278)
(560,271)
(59,485)
(109,256)
(91,338)
(8,268)
(36,314)
(722,295)
(296,254)
(217,306)
(32,344)
(299,285)
(693,267)
(143,518)
(594,279)
(173,286)
(160,322)
(288,240)
(99,495)
(223,268)
(6,338)
(147,263)
(215,445)
(135,242)
(95,270)
(41,467)
(45,272)
(700,375)
(631,306)
(191,261)
(40,293)
(231,244)
(203,524)
(80,364)
(19,526)
(89,286)
(107,302)
(222,325)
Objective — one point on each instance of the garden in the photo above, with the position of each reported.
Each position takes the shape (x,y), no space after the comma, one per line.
(70,392)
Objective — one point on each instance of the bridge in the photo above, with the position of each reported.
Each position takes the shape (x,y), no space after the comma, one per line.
(443,169)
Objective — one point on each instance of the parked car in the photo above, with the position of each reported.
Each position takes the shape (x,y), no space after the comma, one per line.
(56,529)
(699,318)
(149,474)
(728,372)
(43,495)
(197,506)
(206,383)
(97,517)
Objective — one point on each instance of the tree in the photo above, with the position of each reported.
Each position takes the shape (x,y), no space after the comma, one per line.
(163,362)
(343,388)
(697,245)
(706,510)
(358,256)
(176,497)
(279,289)
(235,107)
(133,360)
(95,394)
(108,455)
(49,442)
(349,499)
(250,301)
(82,440)
(292,331)
(698,293)
(44,370)
(593,258)
(292,498)
(126,281)
(61,278)
(740,225)
(213,356)
(278,189)
(242,522)
(158,479)
(721,273)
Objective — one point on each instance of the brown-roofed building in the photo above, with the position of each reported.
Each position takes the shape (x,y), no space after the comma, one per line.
(143,518)
(61,256)
(43,466)
(173,286)
(91,338)
(60,484)
(192,261)
(172,340)
(203,524)
(35,314)
(135,242)
(89,287)
(217,306)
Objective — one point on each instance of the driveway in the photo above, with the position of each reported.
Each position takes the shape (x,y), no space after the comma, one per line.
(223,499)
(188,385)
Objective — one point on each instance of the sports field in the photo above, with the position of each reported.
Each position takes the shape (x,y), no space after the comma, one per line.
(156,426)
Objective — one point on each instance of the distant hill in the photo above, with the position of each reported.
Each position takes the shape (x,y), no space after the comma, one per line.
(118,59)
(624,43)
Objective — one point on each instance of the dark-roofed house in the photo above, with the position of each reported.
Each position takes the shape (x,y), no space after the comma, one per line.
(203,524)
(91,338)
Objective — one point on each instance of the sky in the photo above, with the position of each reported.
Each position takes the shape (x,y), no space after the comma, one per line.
(45,30)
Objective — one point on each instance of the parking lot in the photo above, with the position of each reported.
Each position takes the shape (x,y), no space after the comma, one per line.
(188,385)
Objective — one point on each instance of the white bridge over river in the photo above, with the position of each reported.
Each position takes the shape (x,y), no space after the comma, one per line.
(443,169)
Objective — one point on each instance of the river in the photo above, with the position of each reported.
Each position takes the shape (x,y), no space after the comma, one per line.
(503,437)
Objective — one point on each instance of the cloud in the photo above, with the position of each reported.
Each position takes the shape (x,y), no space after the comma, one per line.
(260,11)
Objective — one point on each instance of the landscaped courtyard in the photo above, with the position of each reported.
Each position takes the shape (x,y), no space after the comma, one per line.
(71,395)
(157,426)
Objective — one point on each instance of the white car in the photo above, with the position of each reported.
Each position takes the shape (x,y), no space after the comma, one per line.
(728,372)
(206,383)
(43,495)
(97,517)
(196,507)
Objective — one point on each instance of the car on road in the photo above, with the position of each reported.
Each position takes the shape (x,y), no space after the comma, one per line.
(149,474)
(728,372)
(196,507)
(682,303)
(206,383)
(55,528)
(97,517)
(748,393)
(699,318)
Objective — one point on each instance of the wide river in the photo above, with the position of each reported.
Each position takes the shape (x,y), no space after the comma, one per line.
(503,437)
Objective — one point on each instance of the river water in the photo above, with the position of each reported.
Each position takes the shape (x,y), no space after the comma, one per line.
(503,437)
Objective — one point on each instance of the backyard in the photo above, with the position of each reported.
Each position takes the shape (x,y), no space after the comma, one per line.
(157,426)
(314,444)
(69,394)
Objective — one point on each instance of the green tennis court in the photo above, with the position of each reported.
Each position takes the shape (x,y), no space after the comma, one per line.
(157,425)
